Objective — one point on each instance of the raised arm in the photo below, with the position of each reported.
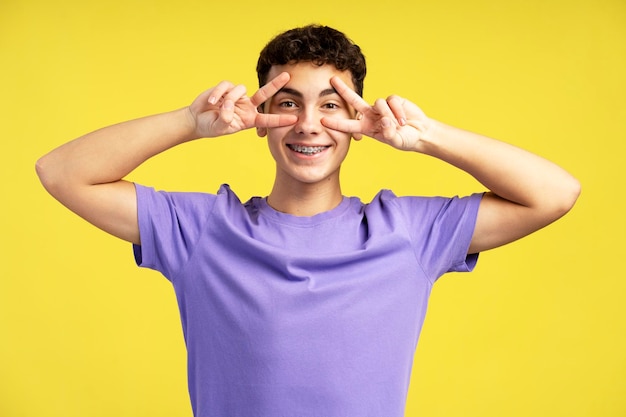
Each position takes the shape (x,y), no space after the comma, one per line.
(526,192)
(86,174)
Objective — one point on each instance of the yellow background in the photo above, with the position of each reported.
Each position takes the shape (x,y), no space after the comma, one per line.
(537,330)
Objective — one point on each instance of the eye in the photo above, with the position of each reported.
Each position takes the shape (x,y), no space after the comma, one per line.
(287,104)
(331,106)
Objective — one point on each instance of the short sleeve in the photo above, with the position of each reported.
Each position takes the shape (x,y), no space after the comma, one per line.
(169,226)
(441,230)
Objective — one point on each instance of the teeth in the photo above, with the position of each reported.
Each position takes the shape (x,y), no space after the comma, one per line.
(307,150)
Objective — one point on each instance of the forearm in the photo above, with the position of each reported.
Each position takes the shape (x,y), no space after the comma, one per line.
(86,175)
(527,192)
(109,154)
(507,171)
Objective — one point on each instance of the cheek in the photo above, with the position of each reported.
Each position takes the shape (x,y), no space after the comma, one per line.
(274,139)
(341,139)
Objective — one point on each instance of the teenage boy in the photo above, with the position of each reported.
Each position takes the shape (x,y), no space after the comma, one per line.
(306,302)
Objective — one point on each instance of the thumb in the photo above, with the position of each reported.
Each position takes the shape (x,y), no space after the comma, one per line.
(221,124)
(226,115)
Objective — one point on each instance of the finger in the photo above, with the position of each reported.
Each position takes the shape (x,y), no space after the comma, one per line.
(227,113)
(396,104)
(349,95)
(382,108)
(235,93)
(228,108)
(200,103)
(219,90)
(268,90)
(388,128)
(274,120)
(342,125)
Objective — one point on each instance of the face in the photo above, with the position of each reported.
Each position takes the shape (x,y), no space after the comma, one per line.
(307,152)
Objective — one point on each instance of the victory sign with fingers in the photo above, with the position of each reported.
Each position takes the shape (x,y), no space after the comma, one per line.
(395,121)
(226,109)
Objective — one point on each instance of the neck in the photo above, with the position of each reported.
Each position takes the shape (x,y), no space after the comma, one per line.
(305,199)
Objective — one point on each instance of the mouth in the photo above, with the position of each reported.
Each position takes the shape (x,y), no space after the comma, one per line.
(307,150)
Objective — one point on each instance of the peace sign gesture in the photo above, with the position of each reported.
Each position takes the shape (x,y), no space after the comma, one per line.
(226,109)
(396,121)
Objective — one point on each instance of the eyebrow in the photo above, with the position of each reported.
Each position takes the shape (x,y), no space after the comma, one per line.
(296,93)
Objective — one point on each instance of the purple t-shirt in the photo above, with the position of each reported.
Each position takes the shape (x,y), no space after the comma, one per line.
(287,316)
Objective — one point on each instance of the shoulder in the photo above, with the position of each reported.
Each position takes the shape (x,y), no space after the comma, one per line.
(148,192)
(152,201)
(421,211)
(387,199)
(427,203)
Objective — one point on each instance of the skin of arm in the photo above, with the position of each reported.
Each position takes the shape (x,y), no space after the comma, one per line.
(86,174)
(526,192)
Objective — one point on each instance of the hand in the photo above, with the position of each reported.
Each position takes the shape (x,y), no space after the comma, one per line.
(226,109)
(395,121)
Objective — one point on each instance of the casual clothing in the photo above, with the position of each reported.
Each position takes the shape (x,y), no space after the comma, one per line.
(287,316)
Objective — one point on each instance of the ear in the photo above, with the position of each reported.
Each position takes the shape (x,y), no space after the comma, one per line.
(261,131)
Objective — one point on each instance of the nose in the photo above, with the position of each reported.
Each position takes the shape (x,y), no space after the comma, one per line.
(308,122)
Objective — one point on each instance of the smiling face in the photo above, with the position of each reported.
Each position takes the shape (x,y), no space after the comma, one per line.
(307,152)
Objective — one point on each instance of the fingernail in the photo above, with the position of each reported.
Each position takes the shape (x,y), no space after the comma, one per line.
(402,121)
(212,100)
(228,104)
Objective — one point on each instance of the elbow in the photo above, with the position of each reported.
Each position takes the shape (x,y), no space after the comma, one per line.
(573,193)
(46,173)
(566,197)
(40,169)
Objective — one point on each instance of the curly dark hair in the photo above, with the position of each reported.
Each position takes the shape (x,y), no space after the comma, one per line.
(313,43)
